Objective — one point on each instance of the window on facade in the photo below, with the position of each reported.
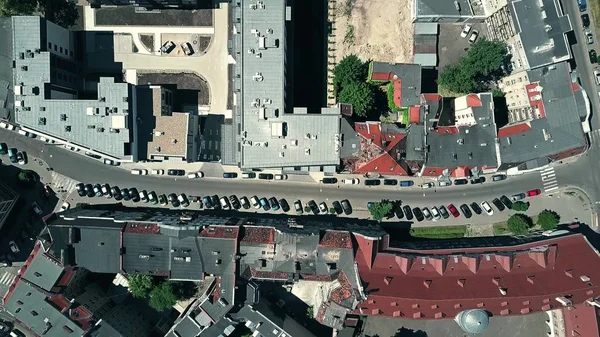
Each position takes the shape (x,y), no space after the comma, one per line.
(49,45)
(55,48)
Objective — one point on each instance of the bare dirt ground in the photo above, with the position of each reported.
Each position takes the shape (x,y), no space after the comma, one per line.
(379,30)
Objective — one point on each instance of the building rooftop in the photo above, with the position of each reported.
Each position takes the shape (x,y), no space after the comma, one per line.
(266,319)
(44,104)
(43,271)
(169,137)
(406,79)
(541,26)
(442,8)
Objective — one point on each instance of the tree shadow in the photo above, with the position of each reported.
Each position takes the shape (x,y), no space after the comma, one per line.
(184,290)
(380,103)
(405,332)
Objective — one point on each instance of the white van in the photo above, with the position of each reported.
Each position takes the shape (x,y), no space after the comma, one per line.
(195,175)
(139,172)
(248,175)
(23,132)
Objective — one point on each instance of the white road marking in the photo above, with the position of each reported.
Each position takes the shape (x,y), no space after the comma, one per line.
(549,179)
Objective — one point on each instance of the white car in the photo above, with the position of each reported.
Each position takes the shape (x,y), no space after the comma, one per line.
(427,185)
(110,162)
(158,172)
(323,207)
(352,181)
(255,202)
(65,206)
(281,176)
(435,213)
(106,191)
(465,31)
(473,36)
(589,37)
(597,76)
(487,208)
(139,172)
(13,247)
(195,175)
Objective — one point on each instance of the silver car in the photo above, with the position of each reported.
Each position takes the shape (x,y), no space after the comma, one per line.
(435,213)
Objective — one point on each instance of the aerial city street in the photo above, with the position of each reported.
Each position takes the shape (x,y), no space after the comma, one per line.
(186,168)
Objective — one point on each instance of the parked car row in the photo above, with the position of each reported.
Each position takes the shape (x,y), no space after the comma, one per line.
(438,212)
(15,156)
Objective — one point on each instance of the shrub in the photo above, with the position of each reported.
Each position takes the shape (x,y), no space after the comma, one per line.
(548,219)
(519,223)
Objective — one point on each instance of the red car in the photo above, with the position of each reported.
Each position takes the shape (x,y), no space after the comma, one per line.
(533,193)
(453,211)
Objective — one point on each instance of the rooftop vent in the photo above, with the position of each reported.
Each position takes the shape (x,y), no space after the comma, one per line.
(42,121)
(67,128)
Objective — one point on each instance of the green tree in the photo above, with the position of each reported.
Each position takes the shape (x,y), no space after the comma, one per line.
(520,206)
(140,285)
(380,210)
(163,296)
(548,219)
(310,313)
(17,7)
(62,12)
(27,178)
(519,223)
(350,70)
(360,95)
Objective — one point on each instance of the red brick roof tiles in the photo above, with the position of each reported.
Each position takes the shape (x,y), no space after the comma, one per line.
(258,235)
(378,150)
(142,228)
(82,317)
(224,232)
(414,114)
(60,302)
(312,277)
(581,320)
(382,76)
(473,100)
(534,93)
(513,129)
(336,239)
(503,280)
(269,275)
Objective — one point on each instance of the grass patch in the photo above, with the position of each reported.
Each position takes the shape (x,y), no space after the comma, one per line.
(501,228)
(349,38)
(390,97)
(595,6)
(442,232)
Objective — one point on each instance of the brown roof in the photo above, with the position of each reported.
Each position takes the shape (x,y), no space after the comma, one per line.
(224,232)
(336,239)
(581,320)
(173,130)
(142,228)
(502,280)
(258,235)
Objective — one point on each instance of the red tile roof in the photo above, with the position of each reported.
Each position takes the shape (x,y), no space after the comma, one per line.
(432,97)
(514,129)
(447,130)
(414,114)
(473,100)
(141,228)
(258,235)
(60,302)
(224,232)
(343,292)
(378,150)
(382,76)
(461,172)
(269,275)
(336,239)
(66,277)
(534,94)
(397,95)
(312,277)
(503,280)
(82,317)
(581,320)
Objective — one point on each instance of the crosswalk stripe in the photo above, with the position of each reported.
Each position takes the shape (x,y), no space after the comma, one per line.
(551,189)
(548,175)
(8,278)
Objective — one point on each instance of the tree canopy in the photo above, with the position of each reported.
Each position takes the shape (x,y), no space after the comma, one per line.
(163,296)
(350,70)
(520,206)
(519,223)
(380,210)
(140,285)
(17,7)
(360,95)
(548,219)
(62,12)
(477,70)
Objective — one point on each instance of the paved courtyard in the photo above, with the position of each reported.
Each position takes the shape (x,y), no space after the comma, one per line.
(451,46)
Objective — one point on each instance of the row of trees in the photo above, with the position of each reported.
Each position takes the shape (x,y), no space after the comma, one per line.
(163,295)
(351,87)
(521,223)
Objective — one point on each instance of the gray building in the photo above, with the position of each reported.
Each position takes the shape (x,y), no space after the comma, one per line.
(8,199)
(148,4)
(268,132)
(447,11)
(53,99)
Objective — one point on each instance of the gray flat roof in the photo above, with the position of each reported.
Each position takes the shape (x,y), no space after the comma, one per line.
(43,271)
(48,100)
(542,31)
(442,8)
(410,76)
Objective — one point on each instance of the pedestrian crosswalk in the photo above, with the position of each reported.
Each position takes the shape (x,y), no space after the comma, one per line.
(7,278)
(61,183)
(549,179)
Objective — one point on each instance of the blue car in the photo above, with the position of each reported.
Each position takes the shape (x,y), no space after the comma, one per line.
(406,183)
(265,204)
(274,204)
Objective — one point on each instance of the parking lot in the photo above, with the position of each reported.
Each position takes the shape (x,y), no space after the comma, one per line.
(199,43)
(451,46)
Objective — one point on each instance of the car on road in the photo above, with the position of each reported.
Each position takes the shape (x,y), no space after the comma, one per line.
(248,175)
(479,180)
(110,162)
(435,213)
(13,247)
(506,201)
(139,172)
(406,183)
(215,201)
(418,214)
(313,207)
(351,181)
(264,203)
(407,212)
(298,207)
(487,208)
(229,175)
(372,182)
(144,196)
(281,176)
(225,204)
(428,185)
(106,191)
(116,192)
(255,202)
(474,36)
(81,189)
(65,206)
(427,213)
(152,198)
(593,56)
(187,48)
(167,47)
(390,182)
(175,172)
(533,193)
(498,177)
(329,181)
(274,203)
(398,212)
(245,202)
(589,37)
(36,208)
(207,202)
(12,155)
(323,207)
(466,30)
(597,77)
(158,172)
(518,196)
(235,202)
(89,190)
(22,158)
(337,207)
(265,176)
(460,181)
(125,194)
(346,207)
(98,190)
(466,211)
(585,20)
(444,212)
(183,200)
(195,175)
(452,209)
(134,195)
(499,205)
(476,208)
(284,205)
(3,148)
(162,200)
(444,183)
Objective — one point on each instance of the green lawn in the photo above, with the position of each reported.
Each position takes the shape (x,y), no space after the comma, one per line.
(442,232)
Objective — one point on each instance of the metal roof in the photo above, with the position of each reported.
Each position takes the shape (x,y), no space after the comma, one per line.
(425,28)
(442,8)
(410,76)
(260,317)
(541,26)
(43,271)
(49,82)
(6,70)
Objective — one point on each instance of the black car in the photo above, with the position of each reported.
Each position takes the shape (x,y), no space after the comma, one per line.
(274,203)
(476,208)
(498,204)
(298,207)
(183,199)
(418,214)
(399,213)
(499,177)
(134,195)
(466,211)
(329,181)
(125,194)
(215,201)
(593,56)
(229,175)
(479,180)
(407,212)
(585,19)
(173,199)
(284,205)
(372,182)
(175,172)
(337,207)
(89,190)
(207,202)
(116,192)
(313,207)
(460,181)
(390,182)
(265,176)
(444,212)
(235,202)
(81,190)
(168,47)
(346,207)
(505,200)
